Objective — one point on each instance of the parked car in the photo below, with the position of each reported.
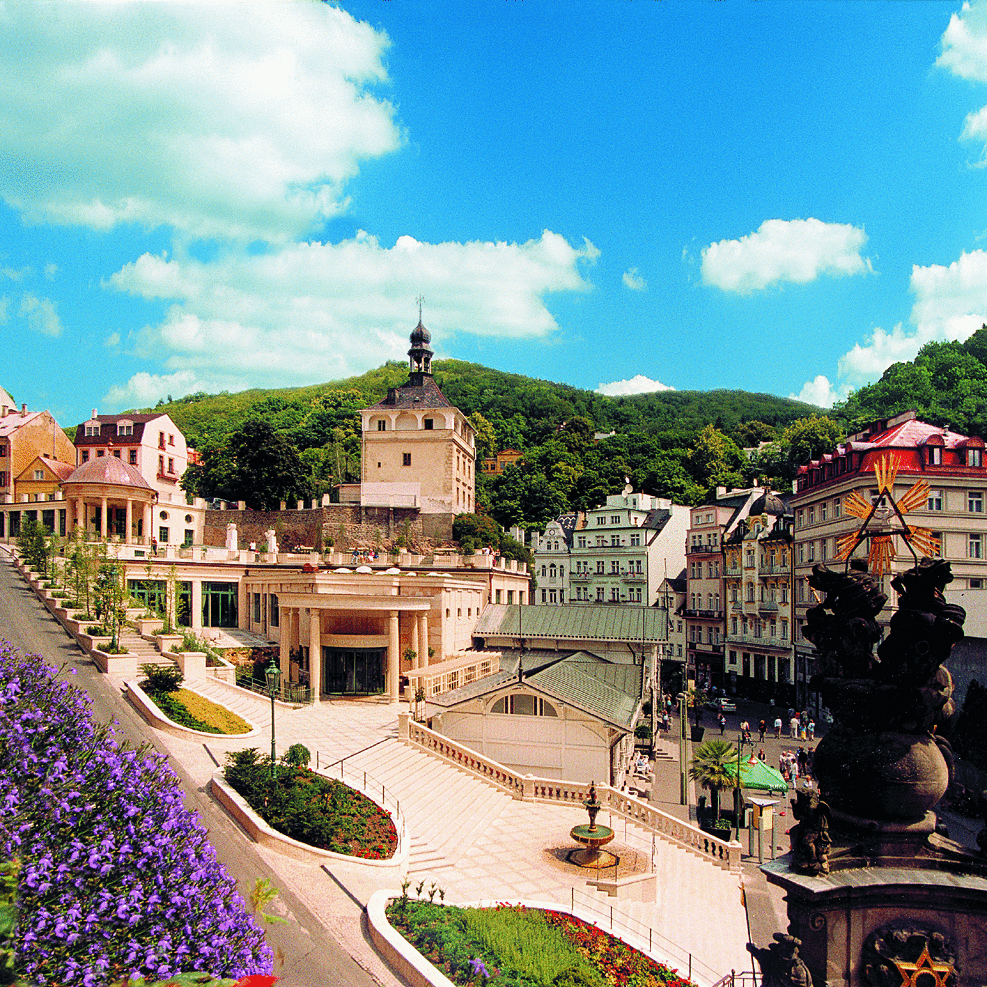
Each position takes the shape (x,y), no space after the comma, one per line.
(723,705)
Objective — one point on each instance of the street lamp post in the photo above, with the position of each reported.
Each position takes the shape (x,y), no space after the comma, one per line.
(736,791)
(273,675)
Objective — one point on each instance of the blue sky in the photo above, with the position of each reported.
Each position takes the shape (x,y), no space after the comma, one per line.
(614,194)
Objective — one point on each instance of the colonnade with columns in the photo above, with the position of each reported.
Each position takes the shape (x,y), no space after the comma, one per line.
(80,508)
(398,618)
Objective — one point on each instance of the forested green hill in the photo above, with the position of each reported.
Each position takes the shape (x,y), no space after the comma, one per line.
(946,384)
(675,444)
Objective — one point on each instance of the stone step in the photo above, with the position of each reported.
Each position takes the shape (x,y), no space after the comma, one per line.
(422,783)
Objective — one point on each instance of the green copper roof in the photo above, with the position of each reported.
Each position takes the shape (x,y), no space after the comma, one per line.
(595,622)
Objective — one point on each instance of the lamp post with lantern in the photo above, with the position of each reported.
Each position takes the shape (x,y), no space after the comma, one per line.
(273,675)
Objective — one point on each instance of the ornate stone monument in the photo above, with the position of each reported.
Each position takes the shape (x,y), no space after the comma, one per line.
(876,896)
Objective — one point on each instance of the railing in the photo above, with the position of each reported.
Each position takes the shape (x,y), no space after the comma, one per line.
(365,783)
(527,788)
(288,692)
(642,936)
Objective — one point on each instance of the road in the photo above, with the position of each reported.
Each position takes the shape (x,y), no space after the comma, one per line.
(306,956)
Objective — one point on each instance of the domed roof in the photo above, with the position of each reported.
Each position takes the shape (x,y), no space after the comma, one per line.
(111,470)
(768,503)
(420,335)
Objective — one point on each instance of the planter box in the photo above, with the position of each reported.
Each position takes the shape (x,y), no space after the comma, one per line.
(125,664)
(148,626)
(168,642)
(192,664)
(91,642)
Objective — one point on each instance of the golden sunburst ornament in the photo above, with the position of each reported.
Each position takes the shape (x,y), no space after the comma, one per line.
(881,512)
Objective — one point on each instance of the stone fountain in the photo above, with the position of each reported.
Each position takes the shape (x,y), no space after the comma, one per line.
(592,837)
(877,897)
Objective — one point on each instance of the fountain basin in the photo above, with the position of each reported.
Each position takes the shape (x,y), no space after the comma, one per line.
(592,838)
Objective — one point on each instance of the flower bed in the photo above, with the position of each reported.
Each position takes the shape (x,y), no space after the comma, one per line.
(189,709)
(307,807)
(117,877)
(514,946)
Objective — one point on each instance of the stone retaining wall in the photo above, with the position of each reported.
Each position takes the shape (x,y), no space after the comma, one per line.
(345,524)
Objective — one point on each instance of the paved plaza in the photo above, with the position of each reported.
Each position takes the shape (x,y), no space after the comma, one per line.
(476,842)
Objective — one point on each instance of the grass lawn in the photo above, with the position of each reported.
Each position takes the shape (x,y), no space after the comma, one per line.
(514,946)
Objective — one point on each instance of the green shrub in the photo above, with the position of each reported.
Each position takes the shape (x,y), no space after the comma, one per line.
(297,755)
(161,679)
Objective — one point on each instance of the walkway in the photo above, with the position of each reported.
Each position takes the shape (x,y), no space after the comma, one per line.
(476,842)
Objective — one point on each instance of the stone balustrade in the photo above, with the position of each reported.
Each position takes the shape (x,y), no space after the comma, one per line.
(528,788)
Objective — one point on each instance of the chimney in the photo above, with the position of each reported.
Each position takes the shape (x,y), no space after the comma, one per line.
(94,413)
(23,411)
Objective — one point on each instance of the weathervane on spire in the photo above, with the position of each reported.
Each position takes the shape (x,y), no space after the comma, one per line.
(420,299)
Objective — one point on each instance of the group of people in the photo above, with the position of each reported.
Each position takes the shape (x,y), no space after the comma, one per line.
(801,726)
(796,764)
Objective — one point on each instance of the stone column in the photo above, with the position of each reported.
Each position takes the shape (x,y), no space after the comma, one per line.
(196,615)
(149,534)
(104,519)
(315,651)
(129,537)
(393,655)
(422,622)
(284,648)
(243,606)
(414,640)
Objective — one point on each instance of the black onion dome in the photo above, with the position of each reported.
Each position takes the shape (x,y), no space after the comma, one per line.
(768,503)
(420,335)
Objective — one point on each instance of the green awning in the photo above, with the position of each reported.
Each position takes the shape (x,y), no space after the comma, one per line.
(759,776)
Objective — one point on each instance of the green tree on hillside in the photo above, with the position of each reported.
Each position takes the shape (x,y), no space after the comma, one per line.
(256,464)
(716,460)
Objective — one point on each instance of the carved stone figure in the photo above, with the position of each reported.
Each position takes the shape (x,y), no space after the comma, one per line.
(272,541)
(231,536)
(881,761)
(810,837)
(781,965)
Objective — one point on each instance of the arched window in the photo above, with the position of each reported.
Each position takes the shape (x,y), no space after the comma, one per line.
(523,704)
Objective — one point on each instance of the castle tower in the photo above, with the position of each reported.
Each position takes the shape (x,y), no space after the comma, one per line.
(418,450)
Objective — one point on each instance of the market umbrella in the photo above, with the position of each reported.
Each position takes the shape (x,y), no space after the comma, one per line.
(759,776)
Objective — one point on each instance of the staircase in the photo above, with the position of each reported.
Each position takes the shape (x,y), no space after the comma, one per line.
(435,797)
(147,653)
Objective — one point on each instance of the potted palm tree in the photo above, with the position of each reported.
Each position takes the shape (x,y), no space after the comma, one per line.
(712,766)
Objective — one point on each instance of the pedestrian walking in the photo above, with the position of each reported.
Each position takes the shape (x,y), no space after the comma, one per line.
(745,732)
(811,730)
(722,720)
(793,728)
(762,726)
(777,727)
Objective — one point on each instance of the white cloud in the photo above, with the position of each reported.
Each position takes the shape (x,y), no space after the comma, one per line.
(797,250)
(950,303)
(634,281)
(317,311)
(41,315)
(112,340)
(820,392)
(639,384)
(15,274)
(964,43)
(145,389)
(236,122)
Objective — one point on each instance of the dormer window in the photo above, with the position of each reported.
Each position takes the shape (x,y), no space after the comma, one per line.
(125,428)
(92,429)
(934,455)
(974,457)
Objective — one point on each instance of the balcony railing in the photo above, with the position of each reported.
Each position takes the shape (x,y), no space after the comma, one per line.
(634,577)
(770,606)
